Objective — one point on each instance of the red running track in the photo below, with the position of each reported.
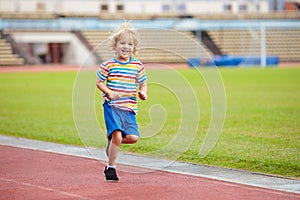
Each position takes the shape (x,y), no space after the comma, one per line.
(29,174)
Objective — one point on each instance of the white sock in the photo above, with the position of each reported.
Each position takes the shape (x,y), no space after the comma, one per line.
(109,166)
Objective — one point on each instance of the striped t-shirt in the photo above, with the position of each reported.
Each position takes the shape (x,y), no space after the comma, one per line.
(123,78)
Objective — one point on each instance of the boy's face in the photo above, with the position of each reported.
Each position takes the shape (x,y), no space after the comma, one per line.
(124,47)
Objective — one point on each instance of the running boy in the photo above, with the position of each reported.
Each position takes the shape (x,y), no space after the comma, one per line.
(119,79)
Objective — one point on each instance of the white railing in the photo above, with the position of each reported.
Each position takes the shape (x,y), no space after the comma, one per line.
(177,24)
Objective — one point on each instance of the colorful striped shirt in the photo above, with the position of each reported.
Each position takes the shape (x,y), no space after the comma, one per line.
(123,78)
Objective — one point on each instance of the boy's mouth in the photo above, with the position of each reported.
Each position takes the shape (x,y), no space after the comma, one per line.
(124,51)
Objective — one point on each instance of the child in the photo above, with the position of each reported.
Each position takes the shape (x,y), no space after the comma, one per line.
(118,79)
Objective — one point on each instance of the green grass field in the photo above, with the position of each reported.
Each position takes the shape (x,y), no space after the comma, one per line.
(261,131)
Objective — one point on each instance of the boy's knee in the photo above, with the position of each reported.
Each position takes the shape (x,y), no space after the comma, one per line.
(133,138)
(116,137)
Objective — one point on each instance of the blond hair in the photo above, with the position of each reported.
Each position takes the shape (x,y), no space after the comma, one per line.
(125,28)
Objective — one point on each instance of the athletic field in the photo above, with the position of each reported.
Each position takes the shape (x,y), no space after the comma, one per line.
(261,130)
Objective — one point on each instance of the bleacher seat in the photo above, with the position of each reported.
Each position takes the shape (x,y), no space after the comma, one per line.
(155,45)
(250,15)
(284,43)
(27,15)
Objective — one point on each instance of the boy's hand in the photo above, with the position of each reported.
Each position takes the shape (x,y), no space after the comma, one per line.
(113,95)
(142,95)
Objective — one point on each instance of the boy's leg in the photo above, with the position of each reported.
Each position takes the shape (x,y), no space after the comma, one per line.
(107,147)
(115,143)
(130,139)
(116,140)
(110,170)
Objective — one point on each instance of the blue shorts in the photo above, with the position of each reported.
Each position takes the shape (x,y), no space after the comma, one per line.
(118,119)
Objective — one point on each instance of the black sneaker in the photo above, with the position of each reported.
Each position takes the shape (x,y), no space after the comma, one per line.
(107,148)
(110,174)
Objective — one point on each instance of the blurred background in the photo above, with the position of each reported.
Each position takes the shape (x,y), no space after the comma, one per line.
(192,32)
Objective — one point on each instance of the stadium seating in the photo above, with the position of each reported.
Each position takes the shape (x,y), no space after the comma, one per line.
(164,46)
(279,42)
(250,15)
(27,15)
(7,57)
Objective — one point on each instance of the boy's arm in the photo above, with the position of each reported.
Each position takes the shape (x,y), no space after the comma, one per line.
(143,91)
(109,93)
